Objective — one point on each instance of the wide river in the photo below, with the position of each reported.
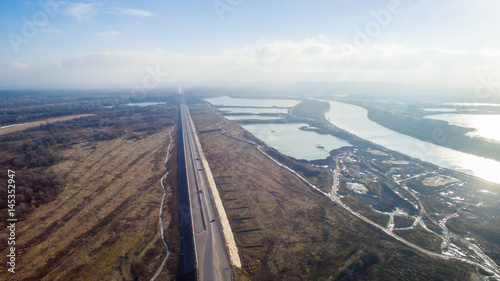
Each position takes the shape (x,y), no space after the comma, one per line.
(354,119)
(291,141)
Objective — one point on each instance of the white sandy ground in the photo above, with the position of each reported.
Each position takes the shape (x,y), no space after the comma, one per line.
(396,162)
(439,180)
(377,152)
(234,257)
(357,187)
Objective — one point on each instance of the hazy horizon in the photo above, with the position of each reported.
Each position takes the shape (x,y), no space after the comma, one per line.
(122,44)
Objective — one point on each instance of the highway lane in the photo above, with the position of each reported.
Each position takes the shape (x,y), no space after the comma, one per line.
(211,256)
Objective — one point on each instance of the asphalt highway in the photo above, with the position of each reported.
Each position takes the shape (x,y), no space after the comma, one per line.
(212,262)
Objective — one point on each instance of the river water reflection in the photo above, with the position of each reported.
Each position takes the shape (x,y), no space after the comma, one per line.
(250,117)
(228,101)
(354,119)
(485,126)
(288,139)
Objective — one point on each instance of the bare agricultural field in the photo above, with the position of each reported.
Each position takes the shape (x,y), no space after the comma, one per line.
(20,127)
(104,223)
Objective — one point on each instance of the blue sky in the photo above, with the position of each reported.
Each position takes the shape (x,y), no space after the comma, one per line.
(97,44)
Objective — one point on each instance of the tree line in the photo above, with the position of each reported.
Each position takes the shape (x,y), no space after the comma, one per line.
(33,151)
(435,131)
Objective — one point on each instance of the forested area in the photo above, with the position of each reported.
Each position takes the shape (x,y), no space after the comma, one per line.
(16,108)
(311,109)
(33,151)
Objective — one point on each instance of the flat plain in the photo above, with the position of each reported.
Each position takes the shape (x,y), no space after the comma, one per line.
(285,230)
(102,224)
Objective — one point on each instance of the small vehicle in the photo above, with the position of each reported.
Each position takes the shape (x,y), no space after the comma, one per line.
(200,191)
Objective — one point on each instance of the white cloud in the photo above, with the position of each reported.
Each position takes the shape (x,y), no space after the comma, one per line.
(19,65)
(114,59)
(131,12)
(108,34)
(309,60)
(80,11)
(50,30)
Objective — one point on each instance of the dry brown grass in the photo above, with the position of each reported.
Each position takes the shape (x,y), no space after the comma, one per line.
(25,126)
(277,220)
(286,231)
(104,224)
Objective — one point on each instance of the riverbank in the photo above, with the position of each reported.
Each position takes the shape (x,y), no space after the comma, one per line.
(435,131)
(354,119)
(414,198)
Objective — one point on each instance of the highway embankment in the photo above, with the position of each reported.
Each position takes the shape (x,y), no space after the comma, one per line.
(232,250)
